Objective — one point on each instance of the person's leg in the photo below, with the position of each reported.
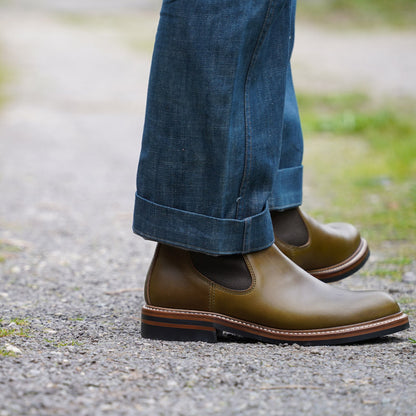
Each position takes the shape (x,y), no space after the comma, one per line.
(287,182)
(213,125)
(211,146)
(328,251)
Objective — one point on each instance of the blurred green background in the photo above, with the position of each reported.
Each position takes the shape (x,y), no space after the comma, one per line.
(369,177)
(367,13)
(371,173)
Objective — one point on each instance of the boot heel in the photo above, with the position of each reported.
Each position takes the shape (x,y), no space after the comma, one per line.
(169,325)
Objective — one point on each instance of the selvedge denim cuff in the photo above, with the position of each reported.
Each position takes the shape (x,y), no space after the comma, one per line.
(287,189)
(198,232)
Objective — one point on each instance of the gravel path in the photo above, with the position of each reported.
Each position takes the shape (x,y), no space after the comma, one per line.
(72,272)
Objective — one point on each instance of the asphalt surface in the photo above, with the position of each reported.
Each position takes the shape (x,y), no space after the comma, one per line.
(72,272)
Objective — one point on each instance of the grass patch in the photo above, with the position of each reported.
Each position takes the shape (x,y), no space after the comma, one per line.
(77,318)
(7,250)
(391,268)
(20,322)
(386,273)
(15,332)
(12,332)
(407,300)
(6,353)
(360,13)
(364,155)
(61,344)
(5,332)
(72,343)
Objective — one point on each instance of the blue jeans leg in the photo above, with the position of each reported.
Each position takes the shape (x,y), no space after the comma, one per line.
(214,122)
(287,184)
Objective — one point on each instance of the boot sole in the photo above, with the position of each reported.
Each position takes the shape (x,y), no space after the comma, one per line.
(346,268)
(183,325)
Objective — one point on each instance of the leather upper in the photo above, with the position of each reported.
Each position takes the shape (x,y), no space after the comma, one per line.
(328,244)
(282,295)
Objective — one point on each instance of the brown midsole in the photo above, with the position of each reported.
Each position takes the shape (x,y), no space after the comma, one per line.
(208,321)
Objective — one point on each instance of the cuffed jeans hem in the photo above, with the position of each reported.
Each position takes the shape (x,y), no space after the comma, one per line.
(287,189)
(196,232)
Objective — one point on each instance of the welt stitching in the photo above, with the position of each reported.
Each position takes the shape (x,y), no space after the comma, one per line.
(284,332)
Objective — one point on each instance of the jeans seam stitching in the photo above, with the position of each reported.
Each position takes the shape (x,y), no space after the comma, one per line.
(248,156)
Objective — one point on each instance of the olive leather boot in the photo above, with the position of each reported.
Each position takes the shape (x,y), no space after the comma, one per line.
(263,296)
(329,252)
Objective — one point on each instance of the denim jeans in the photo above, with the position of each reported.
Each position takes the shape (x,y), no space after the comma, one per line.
(222,143)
